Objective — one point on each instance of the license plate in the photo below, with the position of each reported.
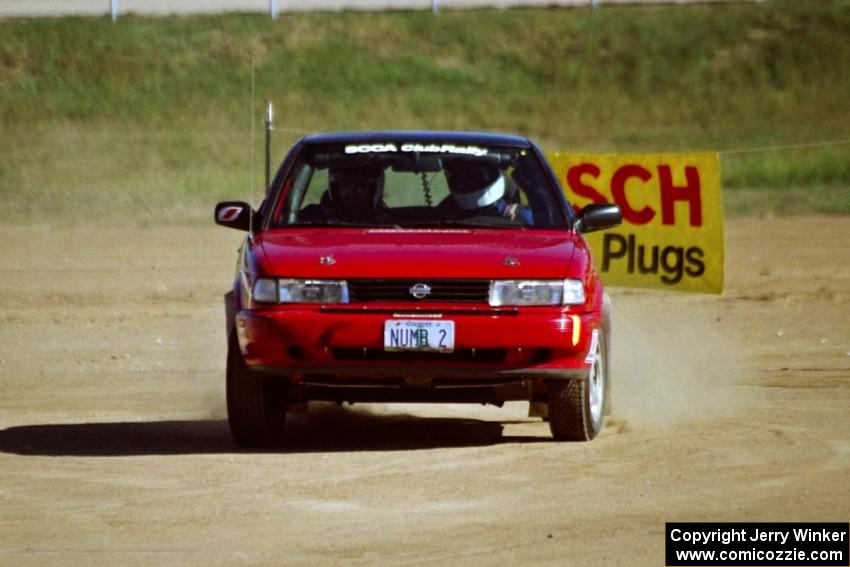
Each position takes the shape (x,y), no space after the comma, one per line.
(431,336)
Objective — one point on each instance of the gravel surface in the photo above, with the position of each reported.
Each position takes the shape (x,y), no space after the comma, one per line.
(114,448)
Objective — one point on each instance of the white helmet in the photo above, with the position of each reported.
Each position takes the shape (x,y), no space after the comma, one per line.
(474,184)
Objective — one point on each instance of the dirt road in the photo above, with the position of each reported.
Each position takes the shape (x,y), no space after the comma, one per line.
(114,448)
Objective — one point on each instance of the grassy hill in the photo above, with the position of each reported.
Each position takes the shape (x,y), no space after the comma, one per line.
(149,118)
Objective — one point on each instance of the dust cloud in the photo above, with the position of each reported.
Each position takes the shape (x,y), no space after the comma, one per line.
(672,365)
(668,366)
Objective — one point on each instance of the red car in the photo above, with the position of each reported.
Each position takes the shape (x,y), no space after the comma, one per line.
(414,267)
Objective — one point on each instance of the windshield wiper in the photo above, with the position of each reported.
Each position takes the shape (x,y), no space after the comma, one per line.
(477,222)
(338,223)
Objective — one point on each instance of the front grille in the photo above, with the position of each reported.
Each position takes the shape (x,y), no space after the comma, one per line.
(481,355)
(449,290)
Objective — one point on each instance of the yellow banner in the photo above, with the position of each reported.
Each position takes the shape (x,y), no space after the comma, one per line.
(672,231)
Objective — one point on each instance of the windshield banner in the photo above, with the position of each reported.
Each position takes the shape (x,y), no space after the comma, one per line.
(672,231)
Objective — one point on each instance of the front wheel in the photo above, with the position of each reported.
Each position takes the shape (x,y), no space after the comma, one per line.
(577,407)
(256,404)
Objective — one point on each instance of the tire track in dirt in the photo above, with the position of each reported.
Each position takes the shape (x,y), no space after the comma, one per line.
(114,448)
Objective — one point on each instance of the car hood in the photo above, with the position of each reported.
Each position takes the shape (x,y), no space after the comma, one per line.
(409,253)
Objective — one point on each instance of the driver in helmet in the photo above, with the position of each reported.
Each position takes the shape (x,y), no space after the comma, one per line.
(354,193)
(478,188)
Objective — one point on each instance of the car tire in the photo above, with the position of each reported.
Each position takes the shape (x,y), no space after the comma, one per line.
(609,339)
(577,407)
(256,403)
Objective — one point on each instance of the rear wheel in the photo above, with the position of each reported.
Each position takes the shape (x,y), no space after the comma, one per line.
(256,404)
(577,407)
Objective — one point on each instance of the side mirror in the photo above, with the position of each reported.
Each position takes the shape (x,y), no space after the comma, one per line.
(598,217)
(234,214)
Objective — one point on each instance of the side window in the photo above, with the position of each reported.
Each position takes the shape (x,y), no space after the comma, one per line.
(318,186)
(406,189)
(514,192)
(302,188)
(439,187)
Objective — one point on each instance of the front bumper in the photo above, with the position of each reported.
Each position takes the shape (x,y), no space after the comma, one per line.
(314,343)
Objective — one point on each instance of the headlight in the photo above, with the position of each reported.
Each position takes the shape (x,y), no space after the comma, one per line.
(268,290)
(536,292)
(265,291)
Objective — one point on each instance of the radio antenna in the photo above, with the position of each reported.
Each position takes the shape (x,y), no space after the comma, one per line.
(251,196)
(269,126)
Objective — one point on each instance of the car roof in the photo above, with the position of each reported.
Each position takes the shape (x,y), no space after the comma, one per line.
(423,136)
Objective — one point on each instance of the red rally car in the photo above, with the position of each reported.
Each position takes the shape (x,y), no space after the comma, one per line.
(415,267)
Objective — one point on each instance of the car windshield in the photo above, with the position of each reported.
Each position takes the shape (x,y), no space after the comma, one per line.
(418,185)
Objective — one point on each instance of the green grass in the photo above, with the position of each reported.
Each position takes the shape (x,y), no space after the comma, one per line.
(149,118)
